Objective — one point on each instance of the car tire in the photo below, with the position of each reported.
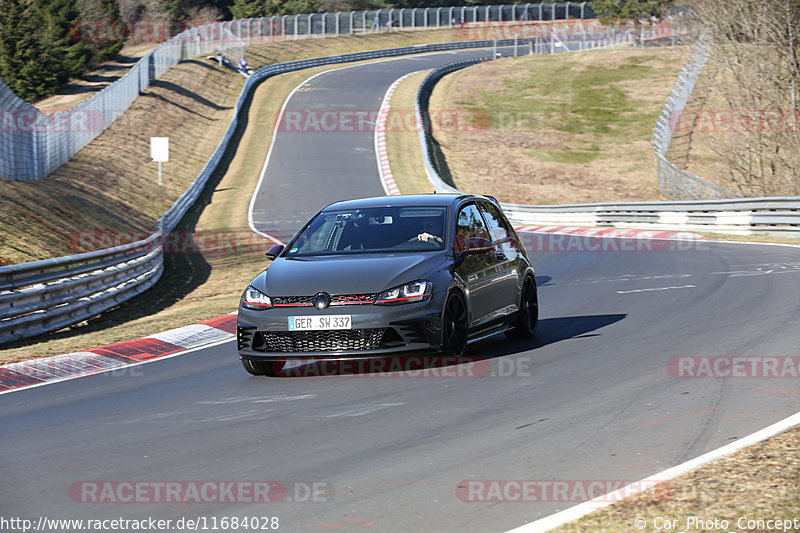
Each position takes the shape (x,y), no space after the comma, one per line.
(528,315)
(263,368)
(454,325)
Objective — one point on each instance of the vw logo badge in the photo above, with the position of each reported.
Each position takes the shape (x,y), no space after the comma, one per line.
(322,300)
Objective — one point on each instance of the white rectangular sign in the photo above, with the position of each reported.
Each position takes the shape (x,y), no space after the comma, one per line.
(159,149)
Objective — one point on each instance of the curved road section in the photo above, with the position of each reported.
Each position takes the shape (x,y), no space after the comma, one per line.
(649,353)
(324,147)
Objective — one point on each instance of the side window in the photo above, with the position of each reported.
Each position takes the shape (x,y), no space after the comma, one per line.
(498,226)
(470,229)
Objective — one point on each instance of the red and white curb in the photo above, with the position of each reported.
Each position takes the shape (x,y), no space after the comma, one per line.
(37,372)
(381,153)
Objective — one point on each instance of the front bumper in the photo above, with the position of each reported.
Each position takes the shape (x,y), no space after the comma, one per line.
(376,330)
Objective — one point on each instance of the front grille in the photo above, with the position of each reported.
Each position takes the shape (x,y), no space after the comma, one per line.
(350,299)
(318,341)
(292,300)
(306,301)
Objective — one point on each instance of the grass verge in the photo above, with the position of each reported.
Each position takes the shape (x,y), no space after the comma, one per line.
(760,482)
(555,129)
(402,139)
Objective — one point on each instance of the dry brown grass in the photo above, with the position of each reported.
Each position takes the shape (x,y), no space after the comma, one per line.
(540,150)
(80,89)
(111,185)
(402,144)
(758,482)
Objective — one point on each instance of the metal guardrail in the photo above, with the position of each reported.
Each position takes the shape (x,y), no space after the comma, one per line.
(746,216)
(736,216)
(431,157)
(47,295)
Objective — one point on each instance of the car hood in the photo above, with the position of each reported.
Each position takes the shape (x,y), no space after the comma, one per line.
(357,274)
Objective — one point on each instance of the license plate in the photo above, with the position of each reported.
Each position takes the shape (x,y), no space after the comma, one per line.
(306,323)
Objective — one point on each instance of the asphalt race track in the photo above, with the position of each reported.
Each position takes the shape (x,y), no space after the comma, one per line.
(320,158)
(595,397)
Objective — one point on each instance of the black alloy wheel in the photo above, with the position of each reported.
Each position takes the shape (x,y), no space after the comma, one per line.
(454,325)
(528,316)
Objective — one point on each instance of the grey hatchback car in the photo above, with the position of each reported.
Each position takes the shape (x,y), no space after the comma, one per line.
(394,274)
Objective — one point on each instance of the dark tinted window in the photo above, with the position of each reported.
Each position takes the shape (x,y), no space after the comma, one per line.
(498,226)
(369,230)
(470,229)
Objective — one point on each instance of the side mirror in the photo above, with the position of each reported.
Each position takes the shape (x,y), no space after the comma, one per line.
(273,252)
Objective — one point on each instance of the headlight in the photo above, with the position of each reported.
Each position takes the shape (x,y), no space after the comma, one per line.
(255,299)
(416,291)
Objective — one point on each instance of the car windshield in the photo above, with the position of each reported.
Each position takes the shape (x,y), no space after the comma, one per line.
(370,230)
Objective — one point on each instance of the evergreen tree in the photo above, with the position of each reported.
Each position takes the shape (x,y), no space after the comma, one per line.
(29,64)
(93,11)
(242,9)
(56,18)
(245,9)
(611,11)
(41,46)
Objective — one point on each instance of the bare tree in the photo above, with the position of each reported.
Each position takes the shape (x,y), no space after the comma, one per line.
(756,58)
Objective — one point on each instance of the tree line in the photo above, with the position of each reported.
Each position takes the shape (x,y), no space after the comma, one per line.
(754,75)
(38,53)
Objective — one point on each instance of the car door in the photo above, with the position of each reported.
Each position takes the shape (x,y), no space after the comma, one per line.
(506,249)
(476,264)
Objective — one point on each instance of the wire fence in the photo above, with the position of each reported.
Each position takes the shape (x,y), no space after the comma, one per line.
(674,182)
(33,144)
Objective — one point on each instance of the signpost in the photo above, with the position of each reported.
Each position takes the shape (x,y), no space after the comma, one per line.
(159,151)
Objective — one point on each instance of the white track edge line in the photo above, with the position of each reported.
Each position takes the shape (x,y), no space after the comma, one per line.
(380,132)
(585,508)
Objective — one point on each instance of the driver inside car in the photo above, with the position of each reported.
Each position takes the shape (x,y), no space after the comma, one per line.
(430,230)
